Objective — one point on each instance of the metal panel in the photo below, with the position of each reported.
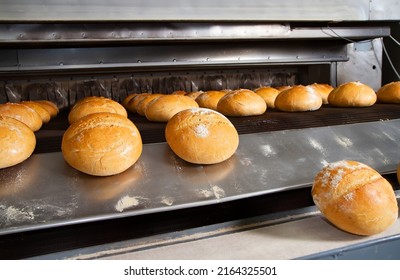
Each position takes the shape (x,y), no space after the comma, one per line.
(45,192)
(384,10)
(178,10)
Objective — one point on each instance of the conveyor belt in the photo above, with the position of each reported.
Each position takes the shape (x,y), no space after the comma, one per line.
(49,137)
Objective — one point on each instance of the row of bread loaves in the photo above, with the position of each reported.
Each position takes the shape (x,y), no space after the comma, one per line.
(101,140)
(18,122)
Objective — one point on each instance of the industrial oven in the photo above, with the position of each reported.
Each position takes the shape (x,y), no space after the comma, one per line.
(255,205)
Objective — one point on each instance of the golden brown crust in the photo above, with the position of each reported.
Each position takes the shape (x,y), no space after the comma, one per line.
(355,198)
(94,104)
(17,142)
(201,136)
(269,95)
(49,106)
(22,113)
(282,88)
(194,94)
(398,173)
(164,107)
(128,98)
(389,93)
(323,90)
(298,99)
(43,113)
(209,99)
(132,104)
(102,144)
(352,94)
(142,104)
(242,102)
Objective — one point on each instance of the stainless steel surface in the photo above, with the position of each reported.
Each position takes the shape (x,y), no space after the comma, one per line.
(45,192)
(126,10)
(176,31)
(387,9)
(364,64)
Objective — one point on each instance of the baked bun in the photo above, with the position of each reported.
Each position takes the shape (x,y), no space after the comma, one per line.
(355,198)
(352,94)
(194,94)
(49,106)
(17,142)
(142,105)
(282,88)
(179,92)
(389,93)
(43,113)
(102,144)
(209,99)
(323,90)
(298,99)
(201,136)
(242,102)
(95,104)
(22,113)
(163,108)
(126,100)
(132,104)
(269,95)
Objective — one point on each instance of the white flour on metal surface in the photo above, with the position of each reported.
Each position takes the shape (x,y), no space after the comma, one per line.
(344,141)
(13,214)
(267,150)
(218,192)
(126,202)
(317,145)
(167,200)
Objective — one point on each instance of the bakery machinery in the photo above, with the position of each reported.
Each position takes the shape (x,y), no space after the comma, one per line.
(255,205)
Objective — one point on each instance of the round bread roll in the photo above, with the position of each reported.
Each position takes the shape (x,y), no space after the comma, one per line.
(22,113)
(102,144)
(94,104)
(269,95)
(142,104)
(352,94)
(132,104)
(209,99)
(128,98)
(194,94)
(323,90)
(179,92)
(201,136)
(163,108)
(355,198)
(298,99)
(17,142)
(389,93)
(43,113)
(282,88)
(49,106)
(242,102)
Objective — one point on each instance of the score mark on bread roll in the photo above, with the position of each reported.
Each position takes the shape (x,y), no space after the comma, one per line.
(201,136)
(355,198)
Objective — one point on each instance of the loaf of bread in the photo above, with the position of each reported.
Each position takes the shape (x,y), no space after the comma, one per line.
(209,99)
(201,136)
(352,94)
(102,144)
(355,198)
(298,99)
(241,102)
(389,93)
(163,108)
(49,106)
(43,113)
(142,104)
(17,142)
(323,90)
(269,95)
(128,98)
(132,104)
(95,104)
(23,114)
(194,94)
(282,88)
